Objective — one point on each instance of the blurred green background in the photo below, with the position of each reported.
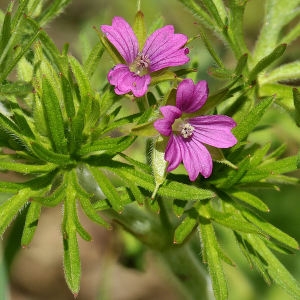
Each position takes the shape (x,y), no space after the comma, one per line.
(112,261)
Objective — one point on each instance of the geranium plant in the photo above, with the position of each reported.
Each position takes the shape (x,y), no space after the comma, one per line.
(69,139)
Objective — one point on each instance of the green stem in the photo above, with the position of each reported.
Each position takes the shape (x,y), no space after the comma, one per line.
(187,269)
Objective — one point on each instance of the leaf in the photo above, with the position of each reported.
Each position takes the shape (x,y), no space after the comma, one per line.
(112,51)
(266,61)
(6,30)
(284,95)
(234,176)
(10,187)
(259,155)
(287,72)
(106,145)
(291,35)
(108,188)
(158,162)
(271,230)
(53,115)
(275,269)
(220,73)
(3,277)
(10,208)
(235,222)
(170,189)
(242,130)
(140,29)
(199,13)
(68,97)
(236,26)
(216,11)
(241,64)
(26,168)
(17,58)
(18,88)
(92,62)
(85,199)
(85,89)
(54,198)
(186,226)
(31,222)
(146,130)
(251,200)
(278,14)
(50,156)
(213,260)
(53,9)
(253,257)
(210,49)
(72,266)
(296,97)
(272,168)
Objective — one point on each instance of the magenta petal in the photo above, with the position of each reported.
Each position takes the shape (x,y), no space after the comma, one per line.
(163,126)
(165,49)
(196,159)
(125,81)
(121,35)
(190,97)
(170,112)
(214,130)
(173,153)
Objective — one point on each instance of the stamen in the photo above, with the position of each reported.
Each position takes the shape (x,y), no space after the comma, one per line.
(141,64)
(187,130)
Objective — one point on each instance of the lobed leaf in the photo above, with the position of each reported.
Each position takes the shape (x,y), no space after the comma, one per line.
(243,129)
(10,208)
(266,61)
(186,227)
(271,168)
(68,97)
(6,30)
(216,9)
(271,230)
(26,168)
(108,188)
(277,14)
(93,59)
(199,12)
(287,72)
(50,156)
(296,97)
(211,49)
(158,162)
(106,145)
(53,115)
(31,222)
(251,200)
(236,26)
(213,260)
(72,266)
(274,268)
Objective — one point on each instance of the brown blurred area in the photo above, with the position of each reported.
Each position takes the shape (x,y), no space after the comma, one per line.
(37,271)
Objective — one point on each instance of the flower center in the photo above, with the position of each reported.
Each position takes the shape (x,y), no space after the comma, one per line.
(187,130)
(183,128)
(140,65)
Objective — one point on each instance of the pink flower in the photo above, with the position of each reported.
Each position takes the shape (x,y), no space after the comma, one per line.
(162,49)
(188,136)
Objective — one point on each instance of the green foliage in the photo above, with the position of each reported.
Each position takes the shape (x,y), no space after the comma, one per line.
(77,144)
